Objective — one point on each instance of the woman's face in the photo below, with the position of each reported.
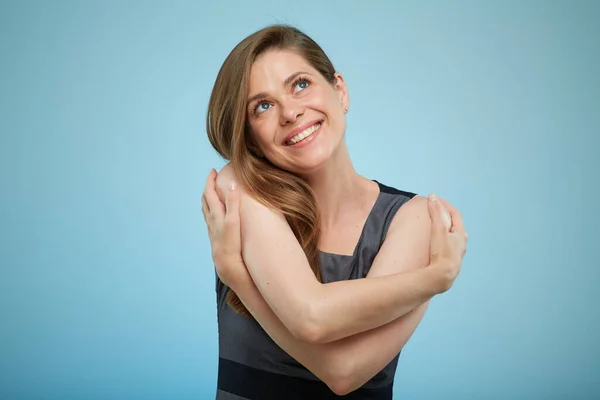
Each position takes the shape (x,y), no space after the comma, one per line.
(296,116)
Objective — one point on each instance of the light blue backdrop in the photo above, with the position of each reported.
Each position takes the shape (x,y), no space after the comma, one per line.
(106,283)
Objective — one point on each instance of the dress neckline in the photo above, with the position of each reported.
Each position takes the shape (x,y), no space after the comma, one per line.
(362,233)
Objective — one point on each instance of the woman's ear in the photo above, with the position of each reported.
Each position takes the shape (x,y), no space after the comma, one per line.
(342,89)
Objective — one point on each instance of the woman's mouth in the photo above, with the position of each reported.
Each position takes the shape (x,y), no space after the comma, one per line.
(308,132)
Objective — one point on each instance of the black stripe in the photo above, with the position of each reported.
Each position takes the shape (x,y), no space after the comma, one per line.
(388,189)
(257,384)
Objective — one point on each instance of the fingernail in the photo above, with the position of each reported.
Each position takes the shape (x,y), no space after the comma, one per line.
(433,197)
(447,219)
(232,186)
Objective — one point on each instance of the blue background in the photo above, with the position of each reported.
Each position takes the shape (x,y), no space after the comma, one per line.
(106,282)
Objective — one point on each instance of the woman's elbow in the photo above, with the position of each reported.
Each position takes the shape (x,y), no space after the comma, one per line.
(342,387)
(309,326)
(308,331)
(342,379)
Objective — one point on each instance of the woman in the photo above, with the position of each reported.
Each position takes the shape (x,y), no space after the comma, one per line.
(323,275)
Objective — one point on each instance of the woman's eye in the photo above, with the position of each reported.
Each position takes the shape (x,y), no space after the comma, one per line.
(262,107)
(301,85)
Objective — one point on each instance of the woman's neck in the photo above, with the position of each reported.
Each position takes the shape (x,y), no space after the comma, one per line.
(338,187)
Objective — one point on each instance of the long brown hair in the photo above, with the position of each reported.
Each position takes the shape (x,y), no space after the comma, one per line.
(229,133)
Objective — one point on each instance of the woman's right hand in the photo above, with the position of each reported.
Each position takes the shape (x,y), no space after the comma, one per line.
(448,240)
(222,219)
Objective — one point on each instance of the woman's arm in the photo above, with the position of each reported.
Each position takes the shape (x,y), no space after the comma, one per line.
(315,312)
(346,364)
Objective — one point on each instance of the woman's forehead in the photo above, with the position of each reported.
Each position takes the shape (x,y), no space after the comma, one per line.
(278,65)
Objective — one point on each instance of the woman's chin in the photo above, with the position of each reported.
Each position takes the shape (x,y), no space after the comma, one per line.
(309,165)
(308,161)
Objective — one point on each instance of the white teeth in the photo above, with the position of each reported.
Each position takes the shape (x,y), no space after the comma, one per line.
(305,133)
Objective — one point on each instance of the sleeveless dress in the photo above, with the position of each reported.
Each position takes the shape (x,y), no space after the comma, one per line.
(252,366)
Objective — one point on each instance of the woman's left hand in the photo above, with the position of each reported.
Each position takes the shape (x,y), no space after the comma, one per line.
(224,231)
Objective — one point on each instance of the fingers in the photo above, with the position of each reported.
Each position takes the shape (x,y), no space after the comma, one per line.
(232,201)
(210,194)
(457,221)
(440,218)
(210,179)
(232,216)
(205,209)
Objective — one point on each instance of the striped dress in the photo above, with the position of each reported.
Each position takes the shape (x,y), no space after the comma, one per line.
(252,366)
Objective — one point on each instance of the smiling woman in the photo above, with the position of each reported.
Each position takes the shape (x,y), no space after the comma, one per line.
(289,95)
(323,275)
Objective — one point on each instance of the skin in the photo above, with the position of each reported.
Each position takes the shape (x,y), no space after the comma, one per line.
(309,97)
(420,257)
(325,164)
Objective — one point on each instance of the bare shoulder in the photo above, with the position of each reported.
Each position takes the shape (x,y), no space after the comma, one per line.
(225,176)
(413,215)
(226,173)
(406,245)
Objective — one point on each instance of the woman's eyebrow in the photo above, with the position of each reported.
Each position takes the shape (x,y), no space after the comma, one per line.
(287,81)
(293,76)
(257,96)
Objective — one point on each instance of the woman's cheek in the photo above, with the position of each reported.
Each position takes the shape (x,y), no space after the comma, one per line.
(262,131)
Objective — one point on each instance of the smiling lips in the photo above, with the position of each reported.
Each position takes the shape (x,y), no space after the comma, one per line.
(303,135)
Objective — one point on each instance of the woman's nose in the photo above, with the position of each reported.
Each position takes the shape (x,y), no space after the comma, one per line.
(290,112)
